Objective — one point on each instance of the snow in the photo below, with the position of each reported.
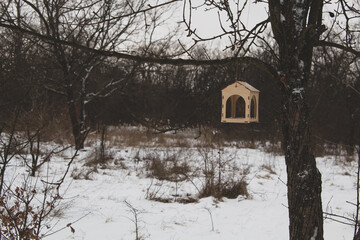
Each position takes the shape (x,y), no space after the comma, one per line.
(303,174)
(298,91)
(315,234)
(97,208)
(282,18)
(299,11)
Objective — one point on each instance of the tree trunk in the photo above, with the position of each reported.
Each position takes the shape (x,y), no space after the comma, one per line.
(357,236)
(304,179)
(350,144)
(77,129)
(304,186)
(296,26)
(78,133)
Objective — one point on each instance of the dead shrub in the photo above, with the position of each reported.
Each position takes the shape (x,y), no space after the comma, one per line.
(101,155)
(154,193)
(168,169)
(183,143)
(221,175)
(135,136)
(227,189)
(273,148)
(268,168)
(27,212)
(120,164)
(234,189)
(183,200)
(181,169)
(84,173)
(96,159)
(158,169)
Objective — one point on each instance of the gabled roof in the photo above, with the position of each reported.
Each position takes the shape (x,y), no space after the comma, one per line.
(245,84)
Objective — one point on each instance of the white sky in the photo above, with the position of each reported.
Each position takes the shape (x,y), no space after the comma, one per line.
(207,25)
(207,22)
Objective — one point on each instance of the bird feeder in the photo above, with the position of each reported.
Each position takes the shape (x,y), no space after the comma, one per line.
(240,103)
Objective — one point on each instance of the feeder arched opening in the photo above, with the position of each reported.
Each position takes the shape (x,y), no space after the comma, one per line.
(253,107)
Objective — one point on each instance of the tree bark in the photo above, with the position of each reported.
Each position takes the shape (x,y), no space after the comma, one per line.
(77,128)
(357,236)
(304,179)
(304,184)
(297,26)
(78,134)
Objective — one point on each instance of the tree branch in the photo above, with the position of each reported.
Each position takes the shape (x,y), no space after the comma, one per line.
(339,46)
(143,59)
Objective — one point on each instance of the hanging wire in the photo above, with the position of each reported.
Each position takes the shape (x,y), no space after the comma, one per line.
(237,69)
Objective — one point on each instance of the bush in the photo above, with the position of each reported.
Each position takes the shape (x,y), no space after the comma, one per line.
(233,190)
(221,175)
(168,169)
(228,189)
(21,217)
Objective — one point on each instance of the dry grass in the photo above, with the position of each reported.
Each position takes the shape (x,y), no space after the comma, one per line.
(268,168)
(130,136)
(83,173)
(96,159)
(168,169)
(228,189)
(273,148)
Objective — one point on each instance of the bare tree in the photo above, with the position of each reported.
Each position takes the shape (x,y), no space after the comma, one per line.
(10,146)
(27,206)
(110,25)
(27,210)
(35,156)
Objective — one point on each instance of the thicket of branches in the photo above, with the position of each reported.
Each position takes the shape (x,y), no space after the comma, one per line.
(174,97)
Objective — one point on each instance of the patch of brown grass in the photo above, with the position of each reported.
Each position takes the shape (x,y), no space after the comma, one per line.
(168,169)
(268,168)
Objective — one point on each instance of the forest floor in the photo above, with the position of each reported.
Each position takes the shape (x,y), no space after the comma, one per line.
(150,186)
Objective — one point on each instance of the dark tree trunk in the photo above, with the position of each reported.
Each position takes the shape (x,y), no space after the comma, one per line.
(76,124)
(350,144)
(304,179)
(78,133)
(296,26)
(68,84)
(357,236)
(303,182)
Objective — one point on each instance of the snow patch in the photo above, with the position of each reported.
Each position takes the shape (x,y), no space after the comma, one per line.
(302,64)
(298,10)
(315,234)
(125,179)
(303,174)
(297,91)
(282,18)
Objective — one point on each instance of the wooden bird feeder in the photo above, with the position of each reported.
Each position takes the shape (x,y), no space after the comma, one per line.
(240,103)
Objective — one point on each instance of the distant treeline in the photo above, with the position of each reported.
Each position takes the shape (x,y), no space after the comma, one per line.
(164,97)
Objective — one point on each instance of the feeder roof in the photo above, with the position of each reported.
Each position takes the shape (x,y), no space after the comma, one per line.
(245,84)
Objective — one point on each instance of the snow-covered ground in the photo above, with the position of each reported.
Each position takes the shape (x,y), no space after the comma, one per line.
(98,204)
